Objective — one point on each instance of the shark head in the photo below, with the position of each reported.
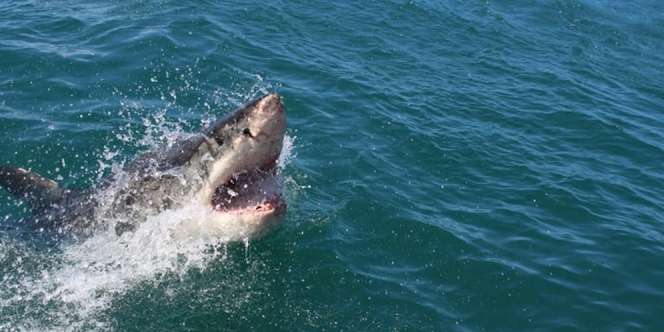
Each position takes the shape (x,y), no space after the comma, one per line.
(237,161)
(244,148)
(229,168)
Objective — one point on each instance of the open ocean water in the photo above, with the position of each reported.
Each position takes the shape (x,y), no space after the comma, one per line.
(450,165)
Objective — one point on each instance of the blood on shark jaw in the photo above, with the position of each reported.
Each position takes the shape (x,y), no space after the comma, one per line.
(254,193)
(251,191)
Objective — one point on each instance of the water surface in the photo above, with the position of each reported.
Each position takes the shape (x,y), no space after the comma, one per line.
(455,165)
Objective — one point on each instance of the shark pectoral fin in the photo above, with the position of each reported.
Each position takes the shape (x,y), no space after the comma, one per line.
(30,186)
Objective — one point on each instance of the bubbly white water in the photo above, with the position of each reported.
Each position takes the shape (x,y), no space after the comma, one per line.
(69,286)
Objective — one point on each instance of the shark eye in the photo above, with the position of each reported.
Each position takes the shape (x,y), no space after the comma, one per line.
(219,140)
(247,132)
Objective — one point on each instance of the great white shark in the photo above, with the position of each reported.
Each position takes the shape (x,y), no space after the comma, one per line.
(229,170)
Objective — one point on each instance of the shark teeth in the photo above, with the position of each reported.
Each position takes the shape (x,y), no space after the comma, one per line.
(252,190)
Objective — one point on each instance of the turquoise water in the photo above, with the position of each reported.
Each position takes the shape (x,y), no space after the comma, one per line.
(452,165)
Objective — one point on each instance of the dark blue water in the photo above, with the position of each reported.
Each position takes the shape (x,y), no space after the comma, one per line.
(453,165)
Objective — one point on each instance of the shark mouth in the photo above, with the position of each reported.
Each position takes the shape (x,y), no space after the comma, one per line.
(255,191)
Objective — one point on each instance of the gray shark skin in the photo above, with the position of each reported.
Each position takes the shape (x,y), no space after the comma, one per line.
(228,169)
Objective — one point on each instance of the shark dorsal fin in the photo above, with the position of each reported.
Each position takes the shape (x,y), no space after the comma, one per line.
(24,184)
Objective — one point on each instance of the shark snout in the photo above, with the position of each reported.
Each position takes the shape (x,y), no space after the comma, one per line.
(271,103)
(268,118)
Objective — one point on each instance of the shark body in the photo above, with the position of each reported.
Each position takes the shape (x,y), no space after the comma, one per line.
(228,170)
